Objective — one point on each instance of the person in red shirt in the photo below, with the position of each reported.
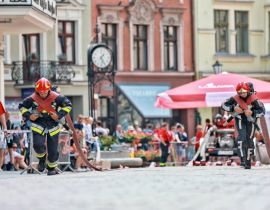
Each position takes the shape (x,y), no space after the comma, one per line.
(4,128)
(165,138)
(2,116)
(198,136)
(208,125)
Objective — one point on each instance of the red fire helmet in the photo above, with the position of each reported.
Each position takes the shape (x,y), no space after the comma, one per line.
(42,85)
(242,87)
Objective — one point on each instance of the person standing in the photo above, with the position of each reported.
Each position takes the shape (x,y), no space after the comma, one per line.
(9,142)
(165,139)
(199,134)
(45,108)
(208,125)
(3,132)
(247,108)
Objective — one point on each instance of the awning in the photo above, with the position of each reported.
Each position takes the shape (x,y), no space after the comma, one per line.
(143,98)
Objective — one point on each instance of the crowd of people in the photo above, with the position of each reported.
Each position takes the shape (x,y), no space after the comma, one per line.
(46,114)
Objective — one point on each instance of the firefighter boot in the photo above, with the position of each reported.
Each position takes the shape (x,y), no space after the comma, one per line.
(248,164)
(52,171)
(248,158)
(242,161)
(42,164)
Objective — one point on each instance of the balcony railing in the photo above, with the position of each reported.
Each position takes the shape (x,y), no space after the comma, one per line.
(45,6)
(27,72)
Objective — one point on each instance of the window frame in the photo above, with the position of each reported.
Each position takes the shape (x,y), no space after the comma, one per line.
(113,39)
(219,27)
(28,44)
(65,36)
(136,42)
(243,27)
(169,40)
(268,32)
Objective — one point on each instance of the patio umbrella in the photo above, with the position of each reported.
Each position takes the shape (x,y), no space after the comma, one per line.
(209,92)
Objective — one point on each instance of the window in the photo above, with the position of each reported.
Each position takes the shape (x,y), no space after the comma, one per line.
(170,47)
(140,47)
(241,26)
(5,49)
(66,41)
(108,32)
(127,113)
(268,33)
(107,110)
(31,57)
(31,47)
(221,27)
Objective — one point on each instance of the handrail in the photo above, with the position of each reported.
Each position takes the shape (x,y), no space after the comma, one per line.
(29,71)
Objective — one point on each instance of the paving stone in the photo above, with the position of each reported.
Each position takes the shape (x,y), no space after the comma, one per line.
(168,188)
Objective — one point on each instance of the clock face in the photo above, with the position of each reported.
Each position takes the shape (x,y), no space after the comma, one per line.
(101,57)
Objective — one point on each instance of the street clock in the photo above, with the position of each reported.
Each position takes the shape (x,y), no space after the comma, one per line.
(101,56)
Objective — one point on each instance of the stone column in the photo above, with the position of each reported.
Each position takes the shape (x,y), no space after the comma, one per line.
(2,86)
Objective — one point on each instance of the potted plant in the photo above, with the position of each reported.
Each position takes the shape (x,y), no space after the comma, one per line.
(107,142)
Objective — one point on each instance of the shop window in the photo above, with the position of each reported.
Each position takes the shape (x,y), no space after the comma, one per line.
(127,114)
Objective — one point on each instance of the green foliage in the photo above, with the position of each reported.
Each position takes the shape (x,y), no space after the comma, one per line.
(107,141)
(129,138)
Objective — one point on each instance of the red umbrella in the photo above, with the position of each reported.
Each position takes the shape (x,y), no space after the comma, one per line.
(209,92)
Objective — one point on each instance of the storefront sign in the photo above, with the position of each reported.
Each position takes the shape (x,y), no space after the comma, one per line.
(27,92)
(46,6)
(215,99)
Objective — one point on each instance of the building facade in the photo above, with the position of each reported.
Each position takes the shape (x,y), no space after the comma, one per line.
(153,51)
(28,16)
(236,33)
(58,54)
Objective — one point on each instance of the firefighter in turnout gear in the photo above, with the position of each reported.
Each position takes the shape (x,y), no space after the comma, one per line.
(246,109)
(44,108)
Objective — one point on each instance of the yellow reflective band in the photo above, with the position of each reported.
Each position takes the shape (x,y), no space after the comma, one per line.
(40,155)
(52,165)
(55,132)
(67,109)
(37,130)
(23,110)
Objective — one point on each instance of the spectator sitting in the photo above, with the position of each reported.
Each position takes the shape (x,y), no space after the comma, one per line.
(88,129)
(99,130)
(18,159)
(119,134)
(79,164)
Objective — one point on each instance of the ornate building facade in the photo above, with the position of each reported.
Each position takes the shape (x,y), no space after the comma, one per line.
(59,55)
(236,33)
(153,51)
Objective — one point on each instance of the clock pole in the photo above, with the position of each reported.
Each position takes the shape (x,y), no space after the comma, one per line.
(100,68)
(90,76)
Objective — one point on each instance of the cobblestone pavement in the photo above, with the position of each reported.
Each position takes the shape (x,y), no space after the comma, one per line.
(167,188)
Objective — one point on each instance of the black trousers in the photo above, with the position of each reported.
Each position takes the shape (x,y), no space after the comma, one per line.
(245,137)
(52,145)
(164,152)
